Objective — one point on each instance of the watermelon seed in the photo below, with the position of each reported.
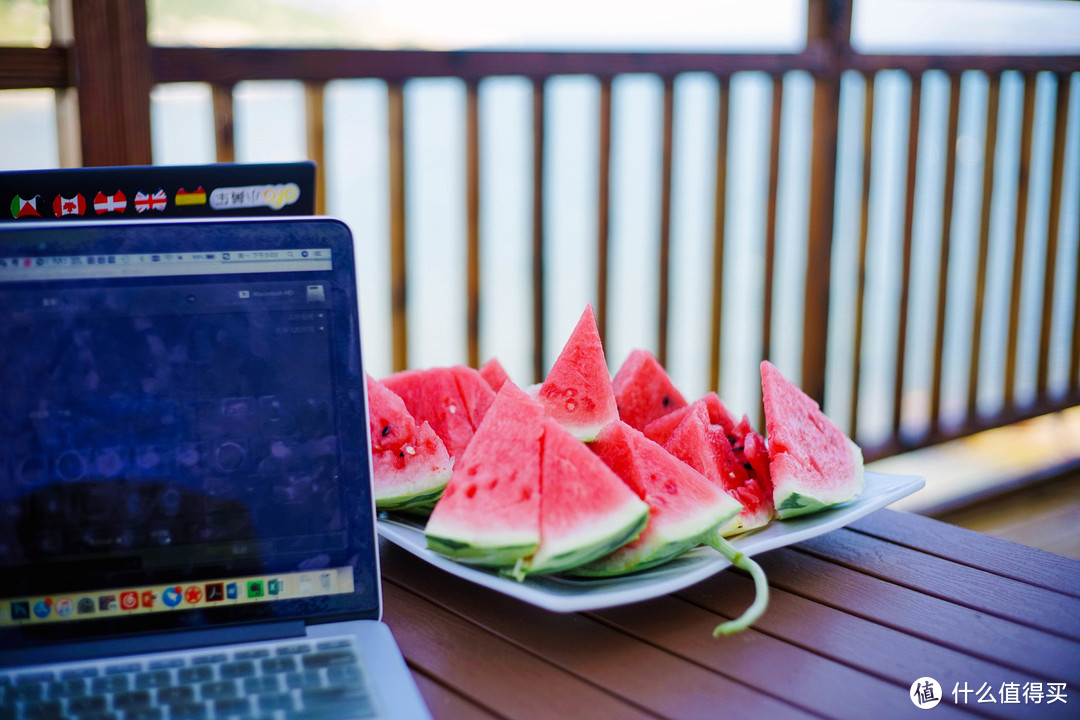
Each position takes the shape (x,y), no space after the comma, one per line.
(667,401)
(569,404)
(410,449)
(452,409)
(385,430)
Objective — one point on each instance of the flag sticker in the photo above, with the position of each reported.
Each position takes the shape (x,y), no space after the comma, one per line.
(21,208)
(157,201)
(69,206)
(110,203)
(196,197)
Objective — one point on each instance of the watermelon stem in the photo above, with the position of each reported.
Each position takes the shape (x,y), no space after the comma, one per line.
(761,587)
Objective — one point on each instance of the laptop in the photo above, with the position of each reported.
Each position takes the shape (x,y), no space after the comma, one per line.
(187,527)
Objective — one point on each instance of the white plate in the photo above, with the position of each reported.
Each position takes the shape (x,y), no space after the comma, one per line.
(566,594)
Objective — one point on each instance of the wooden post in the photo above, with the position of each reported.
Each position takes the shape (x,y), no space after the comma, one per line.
(828,26)
(114,77)
(67,99)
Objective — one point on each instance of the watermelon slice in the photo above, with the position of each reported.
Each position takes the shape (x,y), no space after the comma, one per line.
(706,448)
(586,510)
(577,391)
(410,464)
(453,400)
(644,391)
(489,513)
(684,507)
(493,372)
(812,463)
(660,430)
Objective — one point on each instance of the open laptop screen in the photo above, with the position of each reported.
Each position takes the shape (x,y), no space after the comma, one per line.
(182,427)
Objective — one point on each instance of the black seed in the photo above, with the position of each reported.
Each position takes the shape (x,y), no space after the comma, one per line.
(385,430)
(748,466)
(401,454)
(667,401)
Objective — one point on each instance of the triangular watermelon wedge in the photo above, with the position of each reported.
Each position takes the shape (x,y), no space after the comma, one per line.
(660,429)
(489,513)
(706,448)
(644,391)
(409,462)
(586,510)
(684,507)
(452,399)
(577,391)
(813,464)
(494,373)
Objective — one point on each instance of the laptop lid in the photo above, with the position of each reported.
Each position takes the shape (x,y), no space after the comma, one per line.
(183,435)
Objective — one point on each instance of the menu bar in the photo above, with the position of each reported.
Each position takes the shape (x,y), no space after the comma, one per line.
(85,267)
(141,600)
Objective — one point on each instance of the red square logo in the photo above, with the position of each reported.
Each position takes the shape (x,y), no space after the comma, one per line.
(129,600)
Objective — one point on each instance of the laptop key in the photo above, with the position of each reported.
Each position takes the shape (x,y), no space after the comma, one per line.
(109,684)
(256,654)
(131,699)
(197,674)
(166,664)
(218,690)
(334,644)
(232,708)
(26,692)
(46,710)
(275,701)
(212,659)
(99,716)
(88,704)
(72,687)
(35,677)
(261,684)
(345,675)
(279,664)
(294,649)
(328,658)
(188,711)
(239,669)
(123,668)
(153,679)
(175,695)
(306,679)
(147,713)
(83,672)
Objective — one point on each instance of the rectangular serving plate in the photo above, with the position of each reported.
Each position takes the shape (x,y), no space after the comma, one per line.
(564,594)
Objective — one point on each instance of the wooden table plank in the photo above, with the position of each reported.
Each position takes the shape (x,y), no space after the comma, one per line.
(640,673)
(1004,597)
(445,703)
(974,549)
(993,639)
(488,670)
(890,654)
(815,683)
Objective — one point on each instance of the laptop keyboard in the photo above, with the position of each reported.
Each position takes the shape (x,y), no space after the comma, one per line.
(294,679)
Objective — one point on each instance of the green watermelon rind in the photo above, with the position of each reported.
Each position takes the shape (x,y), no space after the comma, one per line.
(623,526)
(666,545)
(414,501)
(741,523)
(794,497)
(474,551)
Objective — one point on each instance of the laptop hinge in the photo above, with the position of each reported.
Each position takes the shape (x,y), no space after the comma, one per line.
(157,642)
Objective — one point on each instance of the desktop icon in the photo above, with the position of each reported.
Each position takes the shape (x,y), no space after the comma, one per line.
(85,606)
(232,591)
(172,596)
(306,587)
(42,608)
(129,600)
(64,607)
(255,589)
(274,586)
(106,602)
(215,592)
(20,610)
(193,595)
(148,597)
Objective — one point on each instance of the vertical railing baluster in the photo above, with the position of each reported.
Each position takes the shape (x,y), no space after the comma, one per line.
(860,268)
(770,223)
(538,229)
(224,137)
(946,243)
(315,114)
(1053,227)
(665,222)
(1012,346)
(914,108)
(989,153)
(603,208)
(472,213)
(720,204)
(398,274)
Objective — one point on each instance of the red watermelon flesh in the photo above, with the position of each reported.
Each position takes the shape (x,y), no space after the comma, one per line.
(644,391)
(493,372)
(812,463)
(586,510)
(577,391)
(707,449)
(684,507)
(660,430)
(435,395)
(489,513)
(410,465)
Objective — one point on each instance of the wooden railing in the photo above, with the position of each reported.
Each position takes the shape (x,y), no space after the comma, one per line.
(111,64)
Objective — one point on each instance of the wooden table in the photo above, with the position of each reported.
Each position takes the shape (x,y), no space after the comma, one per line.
(856,617)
